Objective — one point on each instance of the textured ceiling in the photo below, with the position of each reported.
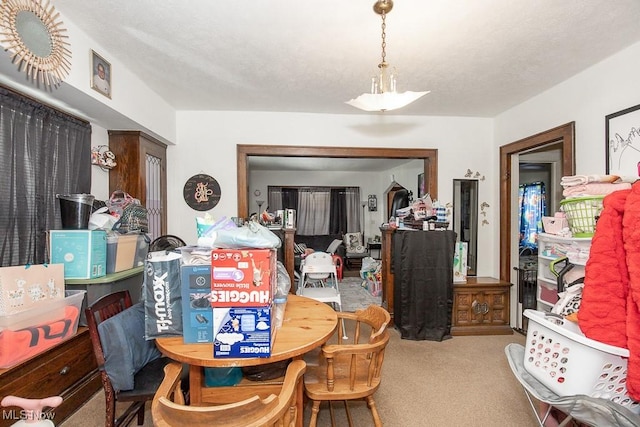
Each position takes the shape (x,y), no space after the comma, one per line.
(477,57)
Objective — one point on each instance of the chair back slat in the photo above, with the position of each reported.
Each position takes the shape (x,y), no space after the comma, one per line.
(351,370)
(273,410)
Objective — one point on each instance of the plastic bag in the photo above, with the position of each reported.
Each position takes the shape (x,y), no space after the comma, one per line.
(284,282)
(118,201)
(250,235)
(370,264)
(134,219)
(162,295)
(101,219)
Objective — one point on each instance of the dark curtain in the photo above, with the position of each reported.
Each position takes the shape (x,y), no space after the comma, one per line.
(289,198)
(423,283)
(43,152)
(338,215)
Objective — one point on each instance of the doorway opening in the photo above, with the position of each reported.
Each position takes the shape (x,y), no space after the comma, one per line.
(560,138)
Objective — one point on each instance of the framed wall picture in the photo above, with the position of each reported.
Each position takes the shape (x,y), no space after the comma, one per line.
(622,131)
(100,74)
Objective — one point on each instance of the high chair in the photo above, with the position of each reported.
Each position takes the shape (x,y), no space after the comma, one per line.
(319,279)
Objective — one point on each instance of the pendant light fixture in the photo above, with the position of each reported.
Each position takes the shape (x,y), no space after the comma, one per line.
(383,96)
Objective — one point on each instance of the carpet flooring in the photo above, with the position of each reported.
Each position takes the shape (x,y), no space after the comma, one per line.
(462,381)
(354,296)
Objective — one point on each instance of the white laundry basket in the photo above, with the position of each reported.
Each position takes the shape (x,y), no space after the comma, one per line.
(559,355)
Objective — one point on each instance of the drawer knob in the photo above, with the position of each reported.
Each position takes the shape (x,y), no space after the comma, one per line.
(65,370)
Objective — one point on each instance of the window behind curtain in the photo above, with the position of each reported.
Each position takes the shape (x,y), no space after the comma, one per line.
(320,210)
(43,152)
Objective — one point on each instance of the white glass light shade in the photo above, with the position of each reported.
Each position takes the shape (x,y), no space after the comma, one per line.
(386,101)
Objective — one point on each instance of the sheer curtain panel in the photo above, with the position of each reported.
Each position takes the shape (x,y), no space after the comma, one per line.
(43,152)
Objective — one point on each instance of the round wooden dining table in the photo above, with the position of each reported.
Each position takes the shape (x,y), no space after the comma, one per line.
(307,325)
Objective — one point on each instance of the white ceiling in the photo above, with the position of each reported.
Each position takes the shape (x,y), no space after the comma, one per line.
(477,57)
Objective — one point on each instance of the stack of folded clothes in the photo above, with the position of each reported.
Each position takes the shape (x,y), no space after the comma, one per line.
(593,185)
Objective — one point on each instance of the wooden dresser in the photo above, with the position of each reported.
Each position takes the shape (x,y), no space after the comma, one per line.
(68,370)
(481,307)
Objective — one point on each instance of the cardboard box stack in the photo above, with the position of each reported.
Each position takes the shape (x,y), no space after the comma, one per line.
(243,284)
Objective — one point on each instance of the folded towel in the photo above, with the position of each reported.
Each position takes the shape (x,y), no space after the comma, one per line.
(594,189)
(573,180)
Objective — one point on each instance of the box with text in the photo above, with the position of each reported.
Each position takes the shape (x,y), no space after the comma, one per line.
(243,277)
(242,332)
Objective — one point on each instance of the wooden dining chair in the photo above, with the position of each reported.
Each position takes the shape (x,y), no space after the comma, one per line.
(146,380)
(168,408)
(350,370)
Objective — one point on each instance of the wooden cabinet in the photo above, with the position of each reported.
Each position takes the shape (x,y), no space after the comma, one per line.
(68,370)
(142,172)
(481,307)
(386,271)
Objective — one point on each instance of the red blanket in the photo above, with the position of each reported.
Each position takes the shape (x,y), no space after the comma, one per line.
(609,309)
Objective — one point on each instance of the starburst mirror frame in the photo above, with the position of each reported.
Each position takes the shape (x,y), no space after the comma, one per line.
(34,33)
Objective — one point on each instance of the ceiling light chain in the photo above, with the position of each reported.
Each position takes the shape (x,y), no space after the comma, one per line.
(384,39)
(383,96)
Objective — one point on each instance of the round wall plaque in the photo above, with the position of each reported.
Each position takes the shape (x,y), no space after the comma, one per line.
(201,192)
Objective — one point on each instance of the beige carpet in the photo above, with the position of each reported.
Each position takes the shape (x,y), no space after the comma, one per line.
(464,381)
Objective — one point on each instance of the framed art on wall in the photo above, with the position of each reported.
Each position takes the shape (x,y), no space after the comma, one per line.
(622,130)
(100,74)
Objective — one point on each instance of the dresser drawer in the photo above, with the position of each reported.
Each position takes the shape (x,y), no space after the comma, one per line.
(60,370)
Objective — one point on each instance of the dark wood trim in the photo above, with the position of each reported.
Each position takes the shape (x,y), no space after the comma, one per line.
(430,157)
(564,135)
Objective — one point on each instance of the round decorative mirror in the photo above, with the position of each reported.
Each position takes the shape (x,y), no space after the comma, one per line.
(33,32)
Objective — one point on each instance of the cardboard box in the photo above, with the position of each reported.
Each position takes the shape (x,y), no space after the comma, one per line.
(30,332)
(241,332)
(83,252)
(197,313)
(243,277)
(23,287)
(121,252)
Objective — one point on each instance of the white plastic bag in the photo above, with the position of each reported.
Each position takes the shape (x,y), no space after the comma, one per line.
(250,235)
(101,219)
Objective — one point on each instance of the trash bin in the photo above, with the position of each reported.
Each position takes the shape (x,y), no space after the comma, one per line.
(75,210)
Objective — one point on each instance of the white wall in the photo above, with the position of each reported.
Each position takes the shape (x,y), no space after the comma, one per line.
(99,177)
(607,87)
(206,143)
(132,106)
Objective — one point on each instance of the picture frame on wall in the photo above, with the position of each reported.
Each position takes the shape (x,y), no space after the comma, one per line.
(100,74)
(622,130)
(421,187)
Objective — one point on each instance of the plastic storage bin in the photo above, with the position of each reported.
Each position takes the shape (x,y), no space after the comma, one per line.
(121,252)
(559,356)
(30,332)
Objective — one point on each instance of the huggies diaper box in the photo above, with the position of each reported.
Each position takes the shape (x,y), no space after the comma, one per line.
(243,277)
(242,332)
(197,314)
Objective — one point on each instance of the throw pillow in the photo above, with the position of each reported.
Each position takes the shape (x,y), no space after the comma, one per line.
(331,249)
(125,349)
(353,242)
